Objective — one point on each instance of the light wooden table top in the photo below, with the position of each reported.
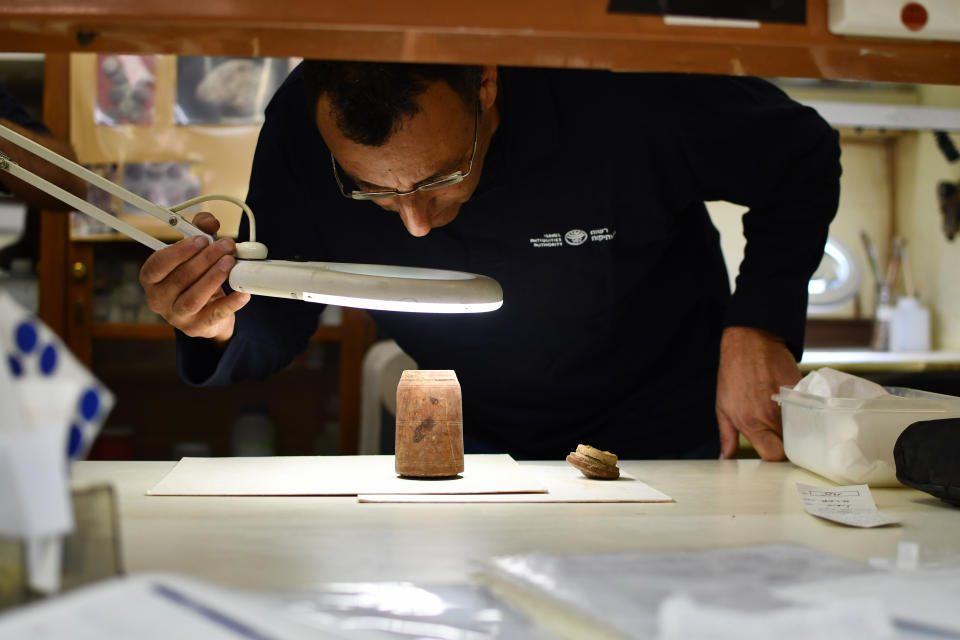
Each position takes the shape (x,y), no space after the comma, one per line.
(295,543)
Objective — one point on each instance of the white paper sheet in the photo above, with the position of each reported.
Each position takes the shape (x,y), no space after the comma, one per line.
(852,506)
(563,484)
(624,591)
(336,476)
(154,606)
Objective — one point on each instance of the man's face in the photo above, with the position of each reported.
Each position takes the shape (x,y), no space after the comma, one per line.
(434,143)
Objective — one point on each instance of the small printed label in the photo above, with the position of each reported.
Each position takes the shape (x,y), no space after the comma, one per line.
(573,238)
(853,505)
(547,240)
(602,235)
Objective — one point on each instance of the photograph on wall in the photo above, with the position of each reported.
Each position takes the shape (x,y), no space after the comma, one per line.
(162,183)
(83,225)
(125,89)
(215,90)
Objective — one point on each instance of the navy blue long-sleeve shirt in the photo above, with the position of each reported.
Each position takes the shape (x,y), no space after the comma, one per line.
(11,109)
(590,213)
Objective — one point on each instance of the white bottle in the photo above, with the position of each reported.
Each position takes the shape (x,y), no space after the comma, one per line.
(910,326)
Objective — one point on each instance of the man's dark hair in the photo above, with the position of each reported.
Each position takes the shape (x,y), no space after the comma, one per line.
(371,99)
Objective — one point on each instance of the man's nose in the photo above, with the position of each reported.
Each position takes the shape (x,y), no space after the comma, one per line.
(415,213)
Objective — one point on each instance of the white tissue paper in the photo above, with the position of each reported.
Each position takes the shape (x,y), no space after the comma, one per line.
(51,409)
(844,427)
(830,383)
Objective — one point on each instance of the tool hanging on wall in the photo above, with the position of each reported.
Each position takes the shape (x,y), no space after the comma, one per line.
(948,193)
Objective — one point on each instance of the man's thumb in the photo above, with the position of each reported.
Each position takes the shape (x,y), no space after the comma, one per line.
(206,222)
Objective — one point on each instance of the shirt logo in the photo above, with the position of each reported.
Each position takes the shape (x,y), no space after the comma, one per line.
(575,237)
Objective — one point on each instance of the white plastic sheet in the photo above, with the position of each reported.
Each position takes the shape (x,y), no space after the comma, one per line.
(623,592)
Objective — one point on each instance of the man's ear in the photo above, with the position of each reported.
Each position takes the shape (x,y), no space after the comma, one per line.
(488,87)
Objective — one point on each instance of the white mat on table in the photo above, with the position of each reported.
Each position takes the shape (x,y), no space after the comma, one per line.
(336,476)
(563,483)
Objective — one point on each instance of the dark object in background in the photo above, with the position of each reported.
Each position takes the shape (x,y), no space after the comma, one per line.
(792,11)
(927,455)
(949,197)
(947,193)
(945,381)
(947,148)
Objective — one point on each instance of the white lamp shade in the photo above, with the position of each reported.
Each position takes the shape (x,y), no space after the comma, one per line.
(368,286)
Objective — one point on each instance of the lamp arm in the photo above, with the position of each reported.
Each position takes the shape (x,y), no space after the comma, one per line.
(80,205)
(168,216)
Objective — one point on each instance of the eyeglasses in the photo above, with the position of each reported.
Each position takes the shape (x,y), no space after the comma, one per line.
(446,181)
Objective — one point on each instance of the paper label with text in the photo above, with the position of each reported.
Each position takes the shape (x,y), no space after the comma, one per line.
(853,505)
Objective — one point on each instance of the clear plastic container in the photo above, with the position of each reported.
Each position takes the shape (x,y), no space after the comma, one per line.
(850,440)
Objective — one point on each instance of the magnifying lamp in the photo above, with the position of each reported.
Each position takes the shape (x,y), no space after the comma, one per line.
(836,281)
(367,286)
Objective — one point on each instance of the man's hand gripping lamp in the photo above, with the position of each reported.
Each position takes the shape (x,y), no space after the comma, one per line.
(365,286)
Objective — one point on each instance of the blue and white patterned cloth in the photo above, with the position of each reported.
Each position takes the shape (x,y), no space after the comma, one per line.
(51,409)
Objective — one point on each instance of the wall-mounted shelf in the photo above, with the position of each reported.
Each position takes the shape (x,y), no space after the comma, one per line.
(862,360)
(889,117)
(538,33)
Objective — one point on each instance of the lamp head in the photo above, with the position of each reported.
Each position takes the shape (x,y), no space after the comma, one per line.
(368,286)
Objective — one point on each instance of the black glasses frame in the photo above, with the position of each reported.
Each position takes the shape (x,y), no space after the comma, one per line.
(446,181)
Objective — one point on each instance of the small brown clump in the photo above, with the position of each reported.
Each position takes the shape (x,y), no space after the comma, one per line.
(594,463)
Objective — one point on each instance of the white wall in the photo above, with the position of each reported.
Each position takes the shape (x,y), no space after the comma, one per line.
(865,204)
(935,260)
